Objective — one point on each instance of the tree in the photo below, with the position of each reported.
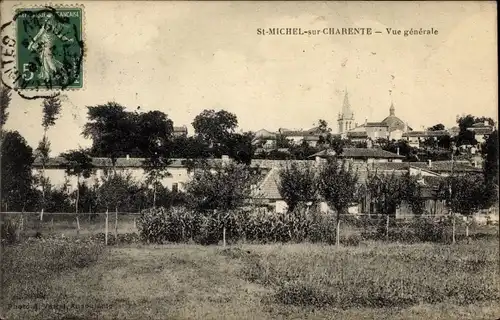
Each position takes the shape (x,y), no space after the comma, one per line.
(5,97)
(490,168)
(111,129)
(239,147)
(323,126)
(154,139)
(388,191)
(337,186)
(189,148)
(79,164)
(436,127)
(401,146)
(115,191)
(337,144)
(282,142)
(490,153)
(466,194)
(16,176)
(51,107)
(466,137)
(297,185)
(214,127)
(219,189)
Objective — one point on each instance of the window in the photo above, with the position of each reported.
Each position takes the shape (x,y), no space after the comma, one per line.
(175,187)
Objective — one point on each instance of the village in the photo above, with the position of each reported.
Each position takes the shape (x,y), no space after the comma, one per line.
(249,160)
(386,147)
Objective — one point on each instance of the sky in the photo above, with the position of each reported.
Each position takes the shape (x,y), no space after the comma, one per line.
(184,57)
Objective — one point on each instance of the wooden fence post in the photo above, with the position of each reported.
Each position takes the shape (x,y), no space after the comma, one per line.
(224,236)
(337,236)
(77,225)
(454,227)
(387,228)
(467,227)
(106,228)
(116,223)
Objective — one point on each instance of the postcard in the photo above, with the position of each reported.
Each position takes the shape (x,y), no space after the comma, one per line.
(249,160)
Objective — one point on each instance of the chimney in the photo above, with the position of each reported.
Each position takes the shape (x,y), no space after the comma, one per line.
(475,164)
(128,157)
(397,151)
(429,163)
(366,121)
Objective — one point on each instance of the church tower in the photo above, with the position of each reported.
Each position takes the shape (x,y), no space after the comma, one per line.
(346,118)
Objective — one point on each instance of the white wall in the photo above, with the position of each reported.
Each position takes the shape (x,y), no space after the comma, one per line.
(58,177)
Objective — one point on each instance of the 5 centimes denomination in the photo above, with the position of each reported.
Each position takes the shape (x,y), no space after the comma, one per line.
(49,48)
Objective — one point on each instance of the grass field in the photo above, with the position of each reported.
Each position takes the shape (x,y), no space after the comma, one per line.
(79,279)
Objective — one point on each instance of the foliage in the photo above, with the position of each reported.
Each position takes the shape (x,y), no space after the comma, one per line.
(16,176)
(79,163)
(338,185)
(220,187)
(239,147)
(436,127)
(214,127)
(467,193)
(282,142)
(388,191)
(51,107)
(466,137)
(401,146)
(9,231)
(302,151)
(111,130)
(490,152)
(323,126)
(297,184)
(5,97)
(116,190)
(179,224)
(490,169)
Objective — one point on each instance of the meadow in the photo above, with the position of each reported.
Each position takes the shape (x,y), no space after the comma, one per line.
(69,278)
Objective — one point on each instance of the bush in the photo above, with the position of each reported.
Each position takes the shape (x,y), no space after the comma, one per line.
(419,229)
(9,231)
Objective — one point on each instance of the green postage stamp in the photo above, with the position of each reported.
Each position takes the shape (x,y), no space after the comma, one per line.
(49,48)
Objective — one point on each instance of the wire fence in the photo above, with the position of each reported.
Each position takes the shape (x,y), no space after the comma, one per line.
(368,226)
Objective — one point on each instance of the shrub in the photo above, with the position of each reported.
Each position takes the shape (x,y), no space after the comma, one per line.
(9,231)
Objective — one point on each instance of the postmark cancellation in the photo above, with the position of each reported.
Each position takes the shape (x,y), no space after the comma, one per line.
(43,49)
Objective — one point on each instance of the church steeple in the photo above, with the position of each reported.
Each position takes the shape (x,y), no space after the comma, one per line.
(392,110)
(346,118)
(347,113)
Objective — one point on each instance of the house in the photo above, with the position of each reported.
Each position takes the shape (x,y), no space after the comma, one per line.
(266,193)
(391,127)
(180,131)
(481,131)
(265,139)
(416,138)
(367,155)
(311,136)
(55,171)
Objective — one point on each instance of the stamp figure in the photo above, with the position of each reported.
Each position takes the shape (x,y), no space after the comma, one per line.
(50,48)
